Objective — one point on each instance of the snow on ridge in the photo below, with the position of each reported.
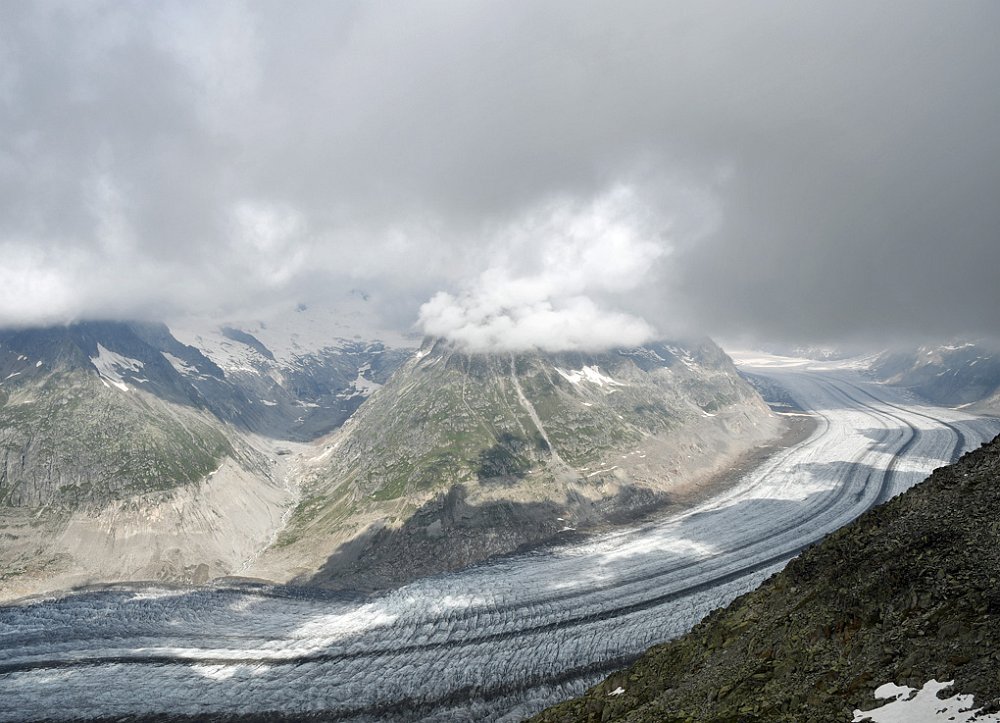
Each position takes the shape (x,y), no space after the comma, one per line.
(365,385)
(643,353)
(109,364)
(292,333)
(590,374)
(684,356)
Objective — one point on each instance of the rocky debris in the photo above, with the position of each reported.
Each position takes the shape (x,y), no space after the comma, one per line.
(905,594)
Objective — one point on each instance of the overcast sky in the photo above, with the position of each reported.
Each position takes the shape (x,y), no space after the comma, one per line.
(511,173)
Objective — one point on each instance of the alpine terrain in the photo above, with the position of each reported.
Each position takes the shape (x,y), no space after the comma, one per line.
(963,374)
(131,455)
(503,639)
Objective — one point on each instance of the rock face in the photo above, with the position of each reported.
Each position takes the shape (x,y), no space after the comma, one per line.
(460,457)
(905,594)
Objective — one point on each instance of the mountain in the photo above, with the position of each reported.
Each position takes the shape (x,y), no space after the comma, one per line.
(79,426)
(906,594)
(959,374)
(127,454)
(460,457)
(136,451)
(106,452)
(305,369)
(813,352)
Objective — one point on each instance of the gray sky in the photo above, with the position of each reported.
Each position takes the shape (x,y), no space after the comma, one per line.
(537,173)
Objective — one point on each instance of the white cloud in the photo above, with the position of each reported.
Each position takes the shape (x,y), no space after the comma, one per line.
(33,289)
(402,149)
(269,240)
(549,284)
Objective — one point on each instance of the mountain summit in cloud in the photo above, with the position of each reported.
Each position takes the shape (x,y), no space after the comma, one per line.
(551,281)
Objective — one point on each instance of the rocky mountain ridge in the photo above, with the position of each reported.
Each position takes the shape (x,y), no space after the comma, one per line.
(129,454)
(461,457)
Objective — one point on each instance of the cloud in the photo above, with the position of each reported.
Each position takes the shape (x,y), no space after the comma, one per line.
(823,170)
(537,295)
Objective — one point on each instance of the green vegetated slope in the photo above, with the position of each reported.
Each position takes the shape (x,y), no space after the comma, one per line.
(126,454)
(908,592)
(462,456)
(106,453)
(69,440)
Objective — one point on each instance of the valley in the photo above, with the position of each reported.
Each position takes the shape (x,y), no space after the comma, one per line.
(377,362)
(497,641)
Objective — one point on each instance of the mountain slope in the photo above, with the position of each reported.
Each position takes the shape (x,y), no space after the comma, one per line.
(114,465)
(905,594)
(83,423)
(460,457)
(960,374)
(304,370)
(126,454)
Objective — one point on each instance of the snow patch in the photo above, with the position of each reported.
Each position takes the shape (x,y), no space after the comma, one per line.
(609,469)
(109,365)
(363,386)
(643,353)
(590,374)
(909,705)
(181,366)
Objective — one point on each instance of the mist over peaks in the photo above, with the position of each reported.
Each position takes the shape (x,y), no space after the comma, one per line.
(554,280)
(820,172)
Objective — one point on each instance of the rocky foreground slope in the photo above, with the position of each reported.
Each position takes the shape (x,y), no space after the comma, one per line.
(907,593)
